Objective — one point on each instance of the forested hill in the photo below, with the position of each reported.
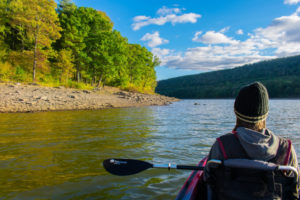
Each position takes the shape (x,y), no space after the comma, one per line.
(280,76)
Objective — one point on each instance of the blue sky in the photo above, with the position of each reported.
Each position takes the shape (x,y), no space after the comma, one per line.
(195,36)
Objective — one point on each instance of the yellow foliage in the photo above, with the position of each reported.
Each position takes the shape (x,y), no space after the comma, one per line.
(37,22)
(104,15)
(73,84)
(134,88)
(65,65)
(24,59)
(50,84)
(39,18)
(6,71)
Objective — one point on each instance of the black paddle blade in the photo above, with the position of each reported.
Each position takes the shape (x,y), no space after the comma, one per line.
(124,167)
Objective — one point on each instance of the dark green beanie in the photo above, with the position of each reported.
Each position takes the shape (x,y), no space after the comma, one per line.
(252,103)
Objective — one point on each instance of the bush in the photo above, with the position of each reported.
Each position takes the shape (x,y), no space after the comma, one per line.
(5,71)
(20,74)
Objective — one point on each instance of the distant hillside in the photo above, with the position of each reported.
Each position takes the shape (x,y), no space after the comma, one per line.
(280,76)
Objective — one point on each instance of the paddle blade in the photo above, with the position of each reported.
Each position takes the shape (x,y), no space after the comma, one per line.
(124,167)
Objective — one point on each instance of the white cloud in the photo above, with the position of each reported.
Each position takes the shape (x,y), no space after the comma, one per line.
(291,1)
(165,15)
(154,39)
(196,36)
(210,57)
(166,11)
(217,51)
(282,34)
(224,30)
(212,37)
(161,52)
(297,11)
(164,55)
(140,18)
(239,32)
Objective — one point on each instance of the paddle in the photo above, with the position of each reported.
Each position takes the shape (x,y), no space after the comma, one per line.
(124,167)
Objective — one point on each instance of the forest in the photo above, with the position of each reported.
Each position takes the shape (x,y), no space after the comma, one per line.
(281,77)
(63,44)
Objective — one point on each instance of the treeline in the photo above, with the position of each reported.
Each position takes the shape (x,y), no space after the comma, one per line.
(281,77)
(69,45)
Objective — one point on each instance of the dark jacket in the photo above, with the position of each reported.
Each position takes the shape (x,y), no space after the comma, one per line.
(253,145)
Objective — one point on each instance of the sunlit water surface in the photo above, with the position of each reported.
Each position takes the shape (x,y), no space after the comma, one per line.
(58,155)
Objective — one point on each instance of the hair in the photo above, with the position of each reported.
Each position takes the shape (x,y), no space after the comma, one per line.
(258,126)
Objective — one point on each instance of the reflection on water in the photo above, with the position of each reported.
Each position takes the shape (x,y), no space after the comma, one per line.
(58,155)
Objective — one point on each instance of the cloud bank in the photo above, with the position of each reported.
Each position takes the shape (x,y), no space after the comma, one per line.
(218,51)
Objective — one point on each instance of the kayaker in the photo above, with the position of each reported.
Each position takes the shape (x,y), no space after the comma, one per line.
(251,139)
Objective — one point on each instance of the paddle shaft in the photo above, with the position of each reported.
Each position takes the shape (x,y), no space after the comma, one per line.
(173,166)
(124,167)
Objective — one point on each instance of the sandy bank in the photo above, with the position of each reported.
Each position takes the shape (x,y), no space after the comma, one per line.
(32,98)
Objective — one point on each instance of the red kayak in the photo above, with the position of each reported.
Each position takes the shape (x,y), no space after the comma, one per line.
(192,187)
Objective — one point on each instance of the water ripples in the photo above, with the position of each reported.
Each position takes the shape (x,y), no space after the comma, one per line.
(58,155)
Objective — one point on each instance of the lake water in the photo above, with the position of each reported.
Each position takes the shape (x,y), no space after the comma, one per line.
(58,155)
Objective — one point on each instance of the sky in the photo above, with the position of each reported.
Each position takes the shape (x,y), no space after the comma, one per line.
(196,36)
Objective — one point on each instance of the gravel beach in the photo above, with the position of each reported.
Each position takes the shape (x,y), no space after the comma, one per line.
(17,97)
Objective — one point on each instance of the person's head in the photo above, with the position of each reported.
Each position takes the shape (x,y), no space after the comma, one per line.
(251,107)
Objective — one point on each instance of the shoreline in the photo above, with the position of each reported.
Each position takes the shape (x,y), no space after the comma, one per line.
(23,98)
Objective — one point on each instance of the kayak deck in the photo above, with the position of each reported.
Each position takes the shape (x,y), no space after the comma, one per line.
(191,189)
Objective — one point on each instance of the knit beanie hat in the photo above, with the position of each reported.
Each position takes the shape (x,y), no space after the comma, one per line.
(252,103)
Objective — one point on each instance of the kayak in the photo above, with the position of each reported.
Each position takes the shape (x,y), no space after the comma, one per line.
(192,189)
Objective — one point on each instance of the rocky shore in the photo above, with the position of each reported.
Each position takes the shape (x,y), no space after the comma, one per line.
(16,97)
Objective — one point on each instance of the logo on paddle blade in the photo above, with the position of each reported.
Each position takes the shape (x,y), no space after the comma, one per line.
(117,162)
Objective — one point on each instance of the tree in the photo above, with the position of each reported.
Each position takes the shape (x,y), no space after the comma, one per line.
(134,61)
(65,65)
(38,21)
(141,67)
(100,52)
(149,74)
(118,51)
(66,6)
(33,35)
(80,26)
(4,18)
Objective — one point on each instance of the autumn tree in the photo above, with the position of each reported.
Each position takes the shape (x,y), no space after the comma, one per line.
(36,20)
